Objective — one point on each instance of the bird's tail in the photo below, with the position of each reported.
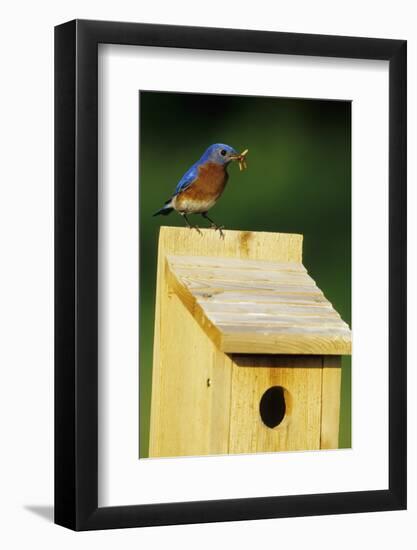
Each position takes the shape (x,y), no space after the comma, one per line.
(165,210)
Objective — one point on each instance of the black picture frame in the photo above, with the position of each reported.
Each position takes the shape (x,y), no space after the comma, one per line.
(76,272)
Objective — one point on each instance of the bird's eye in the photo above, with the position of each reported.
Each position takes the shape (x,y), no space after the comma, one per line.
(223,152)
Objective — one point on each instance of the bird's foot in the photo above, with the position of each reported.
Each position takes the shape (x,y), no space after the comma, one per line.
(219,229)
(196,228)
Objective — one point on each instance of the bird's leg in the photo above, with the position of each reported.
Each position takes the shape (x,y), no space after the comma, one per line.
(188,223)
(214,225)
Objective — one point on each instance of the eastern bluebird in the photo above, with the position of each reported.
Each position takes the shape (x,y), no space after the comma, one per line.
(202,185)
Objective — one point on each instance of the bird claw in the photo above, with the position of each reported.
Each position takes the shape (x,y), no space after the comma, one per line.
(219,229)
(196,228)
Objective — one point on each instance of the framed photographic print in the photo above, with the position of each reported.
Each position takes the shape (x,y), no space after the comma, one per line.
(230,275)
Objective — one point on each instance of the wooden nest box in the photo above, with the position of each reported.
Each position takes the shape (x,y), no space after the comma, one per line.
(247,349)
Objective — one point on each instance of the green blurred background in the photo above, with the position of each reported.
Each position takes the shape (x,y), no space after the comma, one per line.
(298,181)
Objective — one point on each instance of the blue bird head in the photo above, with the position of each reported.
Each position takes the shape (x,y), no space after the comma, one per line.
(220,153)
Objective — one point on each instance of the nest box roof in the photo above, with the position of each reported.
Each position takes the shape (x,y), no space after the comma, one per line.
(254,306)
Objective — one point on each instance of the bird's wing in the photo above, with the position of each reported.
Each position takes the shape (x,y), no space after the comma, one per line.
(187,179)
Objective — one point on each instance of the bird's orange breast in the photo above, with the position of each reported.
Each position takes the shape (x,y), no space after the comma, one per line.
(203,193)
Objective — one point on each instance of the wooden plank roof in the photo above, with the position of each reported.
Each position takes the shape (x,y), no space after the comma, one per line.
(258,306)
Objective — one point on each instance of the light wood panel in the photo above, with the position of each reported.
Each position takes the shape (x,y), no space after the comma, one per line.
(273,342)
(256,246)
(248,306)
(252,376)
(205,397)
(331,379)
(239,263)
(189,415)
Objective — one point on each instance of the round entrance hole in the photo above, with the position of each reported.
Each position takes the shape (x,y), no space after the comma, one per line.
(272,406)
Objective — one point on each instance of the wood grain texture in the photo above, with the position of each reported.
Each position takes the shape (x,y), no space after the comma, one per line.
(259,247)
(330,411)
(238,263)
(252,306)
(253,375)
(217,352)
(188,415)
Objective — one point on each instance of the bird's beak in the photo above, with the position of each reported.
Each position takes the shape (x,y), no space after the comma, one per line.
(241,159)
